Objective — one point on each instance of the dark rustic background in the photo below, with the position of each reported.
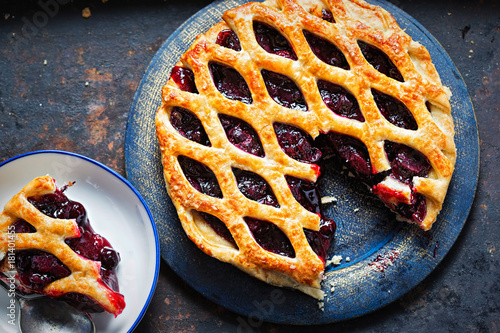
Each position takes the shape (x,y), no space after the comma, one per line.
(66,82)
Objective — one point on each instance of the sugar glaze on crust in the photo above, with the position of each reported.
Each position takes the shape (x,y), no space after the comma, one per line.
(421,92)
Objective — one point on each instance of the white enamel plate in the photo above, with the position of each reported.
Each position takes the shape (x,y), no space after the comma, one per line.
(115,210)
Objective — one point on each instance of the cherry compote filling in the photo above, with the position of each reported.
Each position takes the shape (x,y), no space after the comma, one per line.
(284,91)
(230,83)
(242,135)
(296,143)
(228,38)
(200,176)
(380,61)
(36,269)
(340,101)
(184,78)
(188,125)
(326,51)
(273,41)
(394,111)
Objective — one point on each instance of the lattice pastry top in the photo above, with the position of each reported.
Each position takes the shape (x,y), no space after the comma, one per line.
(259,99)
(49,256)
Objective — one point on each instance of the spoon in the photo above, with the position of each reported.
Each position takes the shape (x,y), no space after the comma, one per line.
(43,314)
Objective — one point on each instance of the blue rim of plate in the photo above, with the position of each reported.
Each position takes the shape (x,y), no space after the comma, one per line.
(359,289)
(137,194)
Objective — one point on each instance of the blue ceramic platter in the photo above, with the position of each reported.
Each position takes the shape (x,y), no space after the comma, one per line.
(367,233)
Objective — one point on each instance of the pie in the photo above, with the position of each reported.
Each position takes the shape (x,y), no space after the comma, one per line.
(262,100)
(48,247)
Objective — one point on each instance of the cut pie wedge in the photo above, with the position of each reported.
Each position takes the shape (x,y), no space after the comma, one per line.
(48,247)
(262,99)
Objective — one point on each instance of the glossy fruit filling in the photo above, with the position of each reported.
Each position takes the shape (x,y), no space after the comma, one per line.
(273,41)
(326,51)
(327,16)
(296,143)
(380,61)
(339,100)
(345,151)
(284,91)
(228,38)
(36,269)
(394,110)
(254,187)
(230,83)
(200,177)
(242,135)
(188,125)
(184,78)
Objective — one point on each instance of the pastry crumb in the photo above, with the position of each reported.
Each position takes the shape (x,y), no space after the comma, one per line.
(321,305)
(328,199)
(45,62)
(86,12)
(332,287)
(348,259)
(356,210)
(336,259)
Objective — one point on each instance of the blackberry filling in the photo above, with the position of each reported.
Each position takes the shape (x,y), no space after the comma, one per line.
(36,269)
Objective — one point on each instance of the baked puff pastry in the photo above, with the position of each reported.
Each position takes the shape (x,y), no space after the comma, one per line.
(261,99)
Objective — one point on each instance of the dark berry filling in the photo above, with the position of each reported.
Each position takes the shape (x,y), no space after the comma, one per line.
(242,135)
(23,227)
(394,111)
(228,38)
(326,51)
(284,91)
(348,151)
(218,226)
(189,126)
(37,269)
(327,16)
(296,143)
(380,61)
(415,211)
(406,162)
(320,240)
(339,100)
(306,193)
(270,237)
(184,78)
(200,177)
(255,187)
(230,83)
(273,41)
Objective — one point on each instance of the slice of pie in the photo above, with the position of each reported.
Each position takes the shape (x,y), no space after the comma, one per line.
(261,100)
(48,247)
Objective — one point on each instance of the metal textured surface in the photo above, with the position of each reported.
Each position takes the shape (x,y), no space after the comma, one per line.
(387,258)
